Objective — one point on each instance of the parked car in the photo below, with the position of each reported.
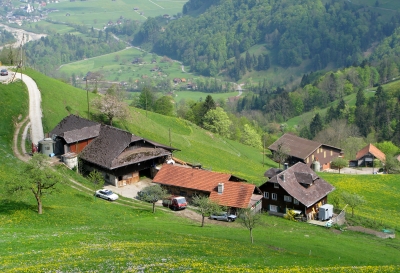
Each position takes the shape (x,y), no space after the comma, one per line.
(223,216)
(175,202)
(4,72)
(106,194)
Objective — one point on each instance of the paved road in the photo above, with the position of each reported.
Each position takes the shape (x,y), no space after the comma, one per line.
(35,110)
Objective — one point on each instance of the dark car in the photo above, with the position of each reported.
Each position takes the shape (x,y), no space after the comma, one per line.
(4,72)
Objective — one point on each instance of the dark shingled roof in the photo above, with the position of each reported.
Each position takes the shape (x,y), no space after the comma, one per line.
(73,129)
(109,149)
(291,178)
(272,172)
(297,146)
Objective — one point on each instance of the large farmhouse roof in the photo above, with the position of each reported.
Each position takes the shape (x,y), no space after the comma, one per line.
(303,184)
(296,146)
(73,129)
(372,150)
(115,148)
(235,194)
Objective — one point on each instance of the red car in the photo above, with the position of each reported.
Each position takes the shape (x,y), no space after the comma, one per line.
(175,202)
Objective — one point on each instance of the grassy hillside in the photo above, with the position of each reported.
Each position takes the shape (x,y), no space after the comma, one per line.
(196,144)
(78,233)
(118,66)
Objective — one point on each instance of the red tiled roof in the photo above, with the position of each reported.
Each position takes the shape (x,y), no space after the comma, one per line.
(235,194)
(372,150)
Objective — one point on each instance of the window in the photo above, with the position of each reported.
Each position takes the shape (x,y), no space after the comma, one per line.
(266,195)
(295,201)
(324,154)
(287,198)
(274,196)
(331,153)
(273,208)
(307,160)
(276,185)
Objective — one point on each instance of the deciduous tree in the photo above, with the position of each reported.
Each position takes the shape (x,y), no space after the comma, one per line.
(97,179)
(154,193)
(205,206)
(249,219)
(38,178)
(111,106)
(339,163)
(353,200)
(217,121)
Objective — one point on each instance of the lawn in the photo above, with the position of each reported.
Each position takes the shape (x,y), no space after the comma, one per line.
(78,233)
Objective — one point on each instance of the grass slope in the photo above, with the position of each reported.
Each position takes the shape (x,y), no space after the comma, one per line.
(78,233)
(196,144)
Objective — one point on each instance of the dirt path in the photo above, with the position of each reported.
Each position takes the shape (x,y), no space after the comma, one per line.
(18,126)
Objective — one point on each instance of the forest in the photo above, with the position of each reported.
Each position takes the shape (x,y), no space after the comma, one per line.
(6,37)
(293,32)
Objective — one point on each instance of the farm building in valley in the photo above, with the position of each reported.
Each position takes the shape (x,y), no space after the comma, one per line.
(119,155)
(298,188)
(225,189)
(365,157)
(307,151)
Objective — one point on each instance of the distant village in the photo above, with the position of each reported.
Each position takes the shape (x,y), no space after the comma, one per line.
(26,12)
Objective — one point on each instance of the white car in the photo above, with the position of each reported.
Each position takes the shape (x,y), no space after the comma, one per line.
(106,194)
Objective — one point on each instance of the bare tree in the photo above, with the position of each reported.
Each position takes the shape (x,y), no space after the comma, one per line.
(38,178)
(205,206)
(281,153)
(249,219)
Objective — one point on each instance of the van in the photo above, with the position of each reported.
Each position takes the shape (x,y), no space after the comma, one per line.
(175,202)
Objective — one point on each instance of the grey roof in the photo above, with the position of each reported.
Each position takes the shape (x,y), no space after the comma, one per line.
(73,128)
(291,178)
(115,148)
(272,172)
(297,146)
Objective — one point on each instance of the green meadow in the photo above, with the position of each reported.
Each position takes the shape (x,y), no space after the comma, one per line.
(118,66)
(99,13)
(78,233)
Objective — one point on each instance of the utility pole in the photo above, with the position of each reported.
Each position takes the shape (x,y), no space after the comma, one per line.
(170,144)
(87,98)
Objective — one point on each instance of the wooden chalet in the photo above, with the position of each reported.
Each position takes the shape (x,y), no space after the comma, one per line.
(225,189)
(365,157)
(306,151)
(119,155)
(298,188)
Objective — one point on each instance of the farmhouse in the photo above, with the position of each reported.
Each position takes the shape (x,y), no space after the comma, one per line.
(119,155)
(365,157)
(307,151)
(225,189)
(297,188)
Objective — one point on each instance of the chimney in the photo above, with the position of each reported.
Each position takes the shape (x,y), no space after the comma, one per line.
(285,166)
(283,177)
(220,188)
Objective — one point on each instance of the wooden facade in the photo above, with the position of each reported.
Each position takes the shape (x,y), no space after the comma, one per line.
(276,199)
